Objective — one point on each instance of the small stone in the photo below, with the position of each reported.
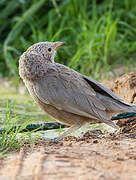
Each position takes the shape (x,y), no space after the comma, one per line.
(95,141)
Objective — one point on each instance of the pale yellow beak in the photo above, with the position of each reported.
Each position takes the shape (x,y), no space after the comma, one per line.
(58,44)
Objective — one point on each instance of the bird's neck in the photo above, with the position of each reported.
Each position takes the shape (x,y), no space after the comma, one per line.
(32,70)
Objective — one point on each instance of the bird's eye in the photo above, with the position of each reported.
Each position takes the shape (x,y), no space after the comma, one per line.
(49,49)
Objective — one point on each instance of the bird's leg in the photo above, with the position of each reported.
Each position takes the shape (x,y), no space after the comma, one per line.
(70,130)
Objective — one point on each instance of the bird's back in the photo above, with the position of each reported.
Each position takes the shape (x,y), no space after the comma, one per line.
(66,94)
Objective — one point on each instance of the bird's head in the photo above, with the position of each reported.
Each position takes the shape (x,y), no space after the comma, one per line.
(46,50)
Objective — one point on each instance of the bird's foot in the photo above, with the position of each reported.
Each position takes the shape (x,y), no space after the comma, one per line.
(54,140)
(118,131)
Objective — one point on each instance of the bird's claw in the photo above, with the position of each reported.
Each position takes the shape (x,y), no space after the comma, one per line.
(117,131)
(54,140)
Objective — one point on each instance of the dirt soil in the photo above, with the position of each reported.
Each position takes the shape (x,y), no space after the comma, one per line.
(94,156)
(91,157)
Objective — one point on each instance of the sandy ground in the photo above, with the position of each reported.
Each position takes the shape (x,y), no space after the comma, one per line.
(92,157)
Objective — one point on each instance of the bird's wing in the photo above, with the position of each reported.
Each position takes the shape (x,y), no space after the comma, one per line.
(112,102)
(67,90)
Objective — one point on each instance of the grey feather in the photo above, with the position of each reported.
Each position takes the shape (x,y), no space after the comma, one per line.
(65,94)
(71,97)
(112,102)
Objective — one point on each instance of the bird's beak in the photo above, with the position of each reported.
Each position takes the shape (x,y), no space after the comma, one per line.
(58,44)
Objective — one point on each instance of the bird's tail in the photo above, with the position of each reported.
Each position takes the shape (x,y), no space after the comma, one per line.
(129,108)
(133,106)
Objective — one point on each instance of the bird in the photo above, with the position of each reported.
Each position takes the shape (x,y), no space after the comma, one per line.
(67,95)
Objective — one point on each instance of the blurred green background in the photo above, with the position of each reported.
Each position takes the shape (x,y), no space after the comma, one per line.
(100,33)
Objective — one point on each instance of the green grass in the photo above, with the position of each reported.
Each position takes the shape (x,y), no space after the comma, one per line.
(8,139)
(17,110)
(100,34)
